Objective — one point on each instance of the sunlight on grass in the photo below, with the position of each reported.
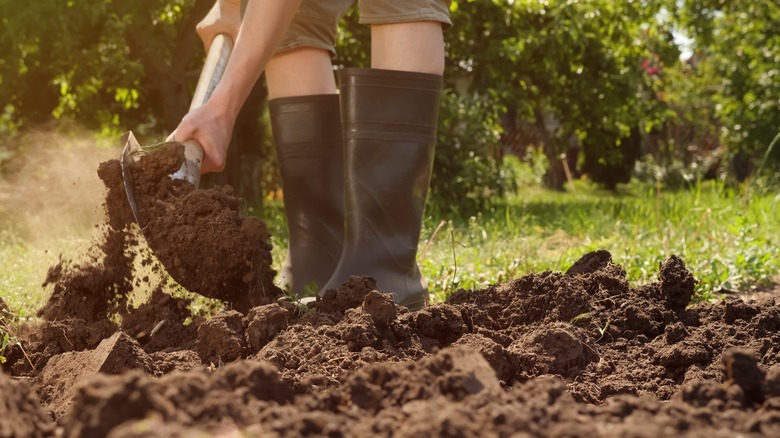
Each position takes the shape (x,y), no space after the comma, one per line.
(727,242)
(23,268)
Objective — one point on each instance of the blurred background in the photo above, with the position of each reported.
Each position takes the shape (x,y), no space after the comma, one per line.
(537,92)
(642,127)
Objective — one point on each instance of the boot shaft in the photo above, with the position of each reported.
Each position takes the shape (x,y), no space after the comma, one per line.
(389,120)
(307,133)
(388,105)
(389,123)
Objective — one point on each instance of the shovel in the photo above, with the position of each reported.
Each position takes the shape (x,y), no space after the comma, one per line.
(216,60)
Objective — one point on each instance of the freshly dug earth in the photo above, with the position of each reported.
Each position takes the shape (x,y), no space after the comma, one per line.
(579,353)
(553,354)
(198,235)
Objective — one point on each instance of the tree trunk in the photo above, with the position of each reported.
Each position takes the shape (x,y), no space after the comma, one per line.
(555,176)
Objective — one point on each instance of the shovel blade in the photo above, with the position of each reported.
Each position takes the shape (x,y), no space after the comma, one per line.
(130,147)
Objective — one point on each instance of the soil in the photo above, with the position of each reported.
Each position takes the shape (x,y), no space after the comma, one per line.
(199,236)
(580,353)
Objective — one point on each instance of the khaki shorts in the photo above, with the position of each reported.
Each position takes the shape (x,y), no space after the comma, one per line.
(315,22)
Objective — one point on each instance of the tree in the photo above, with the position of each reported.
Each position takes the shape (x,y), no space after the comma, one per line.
(110,64)
(578,63)
(739,42)
(116,65)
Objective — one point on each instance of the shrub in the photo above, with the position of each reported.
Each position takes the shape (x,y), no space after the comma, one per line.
(468,174)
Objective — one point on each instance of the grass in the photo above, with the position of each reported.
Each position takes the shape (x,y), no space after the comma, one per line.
(726,236)
(23,267)
(727,239)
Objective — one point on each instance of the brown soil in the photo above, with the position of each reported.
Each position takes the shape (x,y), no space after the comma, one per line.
(198,235)
(579,353)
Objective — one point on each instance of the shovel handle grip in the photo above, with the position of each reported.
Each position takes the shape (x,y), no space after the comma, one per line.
(216,61)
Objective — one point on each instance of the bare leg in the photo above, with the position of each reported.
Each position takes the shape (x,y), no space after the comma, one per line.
(300,72)
(416,46)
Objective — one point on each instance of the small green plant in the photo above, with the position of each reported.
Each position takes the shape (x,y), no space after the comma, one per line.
(310,290)
(3,345)
(8,338)
(602,330)
(581,320)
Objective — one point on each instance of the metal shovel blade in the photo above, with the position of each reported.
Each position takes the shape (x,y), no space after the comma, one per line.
(130,147)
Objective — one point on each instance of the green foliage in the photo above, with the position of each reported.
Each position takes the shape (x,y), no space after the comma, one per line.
(529,170)
(738,45)
(578,63)
(353,41)
(467,177)
(110,64)
(592,70)
(611,163)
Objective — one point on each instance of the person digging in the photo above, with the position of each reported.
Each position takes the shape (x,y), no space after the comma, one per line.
(356,160)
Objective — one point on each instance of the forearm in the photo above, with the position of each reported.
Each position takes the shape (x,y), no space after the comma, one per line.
(263,25)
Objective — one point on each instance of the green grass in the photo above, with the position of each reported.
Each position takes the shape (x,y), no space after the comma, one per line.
(23,268)
(727,240)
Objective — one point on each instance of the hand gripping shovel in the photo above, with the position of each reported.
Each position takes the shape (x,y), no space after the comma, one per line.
(216,60)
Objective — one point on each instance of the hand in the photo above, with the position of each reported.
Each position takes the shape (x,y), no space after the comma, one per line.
(212,127)
(224,17)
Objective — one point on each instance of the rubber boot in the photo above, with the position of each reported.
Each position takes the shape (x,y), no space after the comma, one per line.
(307,130)
(389,122)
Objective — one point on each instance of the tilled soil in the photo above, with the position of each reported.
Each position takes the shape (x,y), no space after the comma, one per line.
(580,353)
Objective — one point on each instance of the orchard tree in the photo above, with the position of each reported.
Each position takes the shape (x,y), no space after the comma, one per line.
(578,63)
(109,64)
(739,42)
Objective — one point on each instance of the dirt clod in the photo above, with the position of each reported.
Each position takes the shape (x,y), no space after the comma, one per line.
(741,369)
(550,354)
(221,338)
(264,323)
(677,284)
(21,412)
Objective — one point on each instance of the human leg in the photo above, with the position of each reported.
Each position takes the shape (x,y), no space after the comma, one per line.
(389,114)
(417,46)
(301,71)
(306,123)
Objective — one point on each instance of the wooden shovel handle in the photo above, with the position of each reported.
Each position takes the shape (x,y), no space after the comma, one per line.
(213,68)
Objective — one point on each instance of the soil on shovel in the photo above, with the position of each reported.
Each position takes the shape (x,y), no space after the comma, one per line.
(198,236)
(580,353)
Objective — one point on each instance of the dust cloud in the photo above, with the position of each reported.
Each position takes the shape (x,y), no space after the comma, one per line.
(50,188)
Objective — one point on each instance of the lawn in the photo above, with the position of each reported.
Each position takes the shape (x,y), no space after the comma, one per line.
(726,235)
(727,239)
